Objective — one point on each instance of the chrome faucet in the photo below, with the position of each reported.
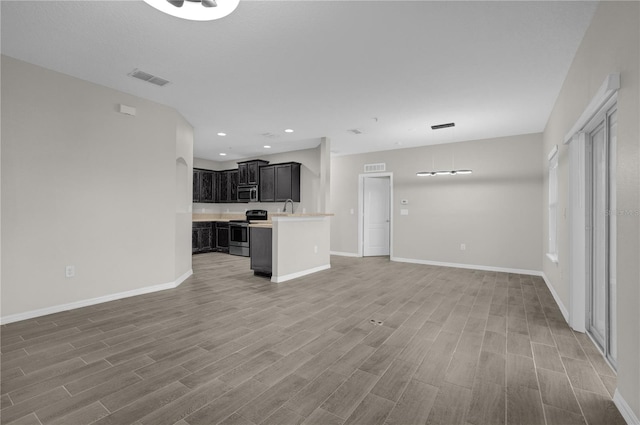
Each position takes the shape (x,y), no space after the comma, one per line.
(285,206)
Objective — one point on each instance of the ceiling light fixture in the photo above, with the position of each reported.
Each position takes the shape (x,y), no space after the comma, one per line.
(223,154)
(267,147)
(195,10)
(442,173)
(222,134)
(288,130)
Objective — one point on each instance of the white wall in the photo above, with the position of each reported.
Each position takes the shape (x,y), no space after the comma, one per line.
(183,196)
(611,44)
(300,246)
(84,185)
(309,182)
(495,211)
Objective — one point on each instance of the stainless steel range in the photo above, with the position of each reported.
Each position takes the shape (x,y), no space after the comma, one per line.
(239,232)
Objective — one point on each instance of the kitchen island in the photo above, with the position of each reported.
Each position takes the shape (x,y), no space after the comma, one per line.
(299,245)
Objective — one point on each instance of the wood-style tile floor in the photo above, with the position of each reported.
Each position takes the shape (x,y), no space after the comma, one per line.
(446,346)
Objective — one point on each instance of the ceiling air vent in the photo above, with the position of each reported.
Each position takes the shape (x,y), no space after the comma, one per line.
(440,126)
(144,76)
(375,168)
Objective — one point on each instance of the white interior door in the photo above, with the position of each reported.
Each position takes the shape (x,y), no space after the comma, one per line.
(376,218)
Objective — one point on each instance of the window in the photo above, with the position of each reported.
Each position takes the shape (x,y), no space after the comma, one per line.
(552,251)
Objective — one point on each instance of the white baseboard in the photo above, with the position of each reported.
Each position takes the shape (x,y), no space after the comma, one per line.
(556,297)
(467,266)
(182,278)
(284,278)
(624,408)
(92,301)
(344,254)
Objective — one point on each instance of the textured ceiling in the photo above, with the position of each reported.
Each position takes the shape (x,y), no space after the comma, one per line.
(388,68)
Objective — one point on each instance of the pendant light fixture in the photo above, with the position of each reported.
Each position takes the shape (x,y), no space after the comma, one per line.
(443,172)
(195,10)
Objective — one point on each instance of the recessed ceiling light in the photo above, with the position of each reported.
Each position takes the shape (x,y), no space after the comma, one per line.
(288,130)
(222,134)
(267,147)
(223,154)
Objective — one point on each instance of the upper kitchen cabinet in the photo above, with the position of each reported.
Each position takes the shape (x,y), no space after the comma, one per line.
(207,186)
(196,186)
(204,186)
(249,171)
(267,190)
(227,186)
(233,185)
(279,182)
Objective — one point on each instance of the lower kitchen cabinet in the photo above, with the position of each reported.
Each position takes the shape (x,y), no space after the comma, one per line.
(203,237)
(222,236)
(260,250)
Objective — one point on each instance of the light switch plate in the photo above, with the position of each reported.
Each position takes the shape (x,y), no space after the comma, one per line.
(404,212)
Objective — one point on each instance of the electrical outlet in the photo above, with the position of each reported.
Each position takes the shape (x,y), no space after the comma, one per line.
(351,211)
(315,249)
(463,247)
(70,271)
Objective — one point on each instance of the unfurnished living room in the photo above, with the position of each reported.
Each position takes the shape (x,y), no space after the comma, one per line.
(320,212)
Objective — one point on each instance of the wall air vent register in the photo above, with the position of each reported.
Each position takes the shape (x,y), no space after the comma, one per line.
(375,168)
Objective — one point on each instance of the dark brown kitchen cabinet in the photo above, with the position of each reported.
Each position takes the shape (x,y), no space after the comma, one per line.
(249,171)
(233,185)
(223,187)
(207,186)
(196,186)
(243,173)
(279,182)
(260,250)
(203,237)
(227,186)
(222,236)
(267,184)
(204,186)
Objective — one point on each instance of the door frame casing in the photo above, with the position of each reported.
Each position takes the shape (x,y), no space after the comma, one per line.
(361,178)
(579,197)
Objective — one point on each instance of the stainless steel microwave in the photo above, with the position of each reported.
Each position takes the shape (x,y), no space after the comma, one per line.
(248,193)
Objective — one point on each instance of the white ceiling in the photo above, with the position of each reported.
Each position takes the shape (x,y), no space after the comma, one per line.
(388,68)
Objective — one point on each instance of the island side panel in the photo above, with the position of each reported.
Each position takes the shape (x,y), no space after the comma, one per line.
(300,246)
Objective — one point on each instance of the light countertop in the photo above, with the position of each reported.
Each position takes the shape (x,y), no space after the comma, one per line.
(265,225)
(301,215)
(204,217)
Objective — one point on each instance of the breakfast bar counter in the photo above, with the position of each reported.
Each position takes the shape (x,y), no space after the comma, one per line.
(299,244)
